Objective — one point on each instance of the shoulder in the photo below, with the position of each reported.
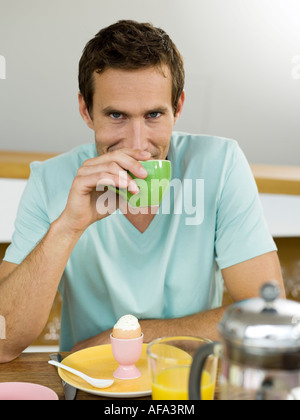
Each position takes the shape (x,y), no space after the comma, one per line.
(55,176)
(203,150)
(65,164)
(201,143)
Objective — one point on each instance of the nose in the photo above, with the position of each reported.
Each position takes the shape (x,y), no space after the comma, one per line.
(136,135)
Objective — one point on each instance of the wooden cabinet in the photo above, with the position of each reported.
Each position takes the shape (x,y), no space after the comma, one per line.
(16,164)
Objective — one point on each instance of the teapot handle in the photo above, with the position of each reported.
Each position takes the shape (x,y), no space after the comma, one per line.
(197,367)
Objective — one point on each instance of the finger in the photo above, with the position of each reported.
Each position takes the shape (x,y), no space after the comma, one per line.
(130,163)
(127,159)
(137,154)
(110,167)
(88,183)
(116,172)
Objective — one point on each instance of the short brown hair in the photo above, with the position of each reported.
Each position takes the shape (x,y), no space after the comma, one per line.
(129,45)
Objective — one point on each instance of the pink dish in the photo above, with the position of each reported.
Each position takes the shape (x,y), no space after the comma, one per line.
(22,391)
(127,352)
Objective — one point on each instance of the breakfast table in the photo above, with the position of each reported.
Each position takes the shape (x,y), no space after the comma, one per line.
(34,368)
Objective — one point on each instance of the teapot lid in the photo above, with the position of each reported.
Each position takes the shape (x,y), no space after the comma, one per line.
(263,323)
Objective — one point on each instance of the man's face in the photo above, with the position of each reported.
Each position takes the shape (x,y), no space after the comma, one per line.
(133,109)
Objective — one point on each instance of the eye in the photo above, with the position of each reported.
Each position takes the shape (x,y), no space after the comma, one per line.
(116,115)
(154,115)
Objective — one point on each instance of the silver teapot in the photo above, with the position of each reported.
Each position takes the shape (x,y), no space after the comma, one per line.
(260,354)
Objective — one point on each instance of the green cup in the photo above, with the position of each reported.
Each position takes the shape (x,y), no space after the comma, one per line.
(153,188)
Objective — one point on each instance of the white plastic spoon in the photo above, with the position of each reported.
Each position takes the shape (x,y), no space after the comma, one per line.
(97,383)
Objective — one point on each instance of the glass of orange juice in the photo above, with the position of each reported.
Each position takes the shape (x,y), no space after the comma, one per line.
(169,361)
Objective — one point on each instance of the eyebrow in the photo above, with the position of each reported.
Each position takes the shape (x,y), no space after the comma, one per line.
(110,110)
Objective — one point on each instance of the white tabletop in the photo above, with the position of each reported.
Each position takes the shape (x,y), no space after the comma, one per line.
(11,191)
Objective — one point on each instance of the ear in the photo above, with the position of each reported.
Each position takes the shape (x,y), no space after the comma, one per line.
(84,112)
(180,106)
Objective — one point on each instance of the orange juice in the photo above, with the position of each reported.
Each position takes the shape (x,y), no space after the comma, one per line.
(172,384)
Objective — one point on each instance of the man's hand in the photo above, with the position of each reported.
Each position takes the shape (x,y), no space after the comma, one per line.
(109,169)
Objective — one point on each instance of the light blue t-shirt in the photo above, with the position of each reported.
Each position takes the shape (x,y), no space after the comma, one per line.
(210,219)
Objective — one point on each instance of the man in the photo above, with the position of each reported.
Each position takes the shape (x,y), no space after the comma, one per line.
(153,265)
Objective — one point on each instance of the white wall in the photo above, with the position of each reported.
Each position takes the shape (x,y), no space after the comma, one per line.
(242,63)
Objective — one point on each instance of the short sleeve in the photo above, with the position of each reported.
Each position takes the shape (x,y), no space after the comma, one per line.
(241,230)
(32,222)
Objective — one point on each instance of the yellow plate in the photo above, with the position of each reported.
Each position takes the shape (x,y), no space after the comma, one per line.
(98,362)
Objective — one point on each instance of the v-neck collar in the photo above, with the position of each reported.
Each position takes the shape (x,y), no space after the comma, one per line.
(134,232)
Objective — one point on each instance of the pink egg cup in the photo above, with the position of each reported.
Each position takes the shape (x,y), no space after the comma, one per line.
(127,352)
